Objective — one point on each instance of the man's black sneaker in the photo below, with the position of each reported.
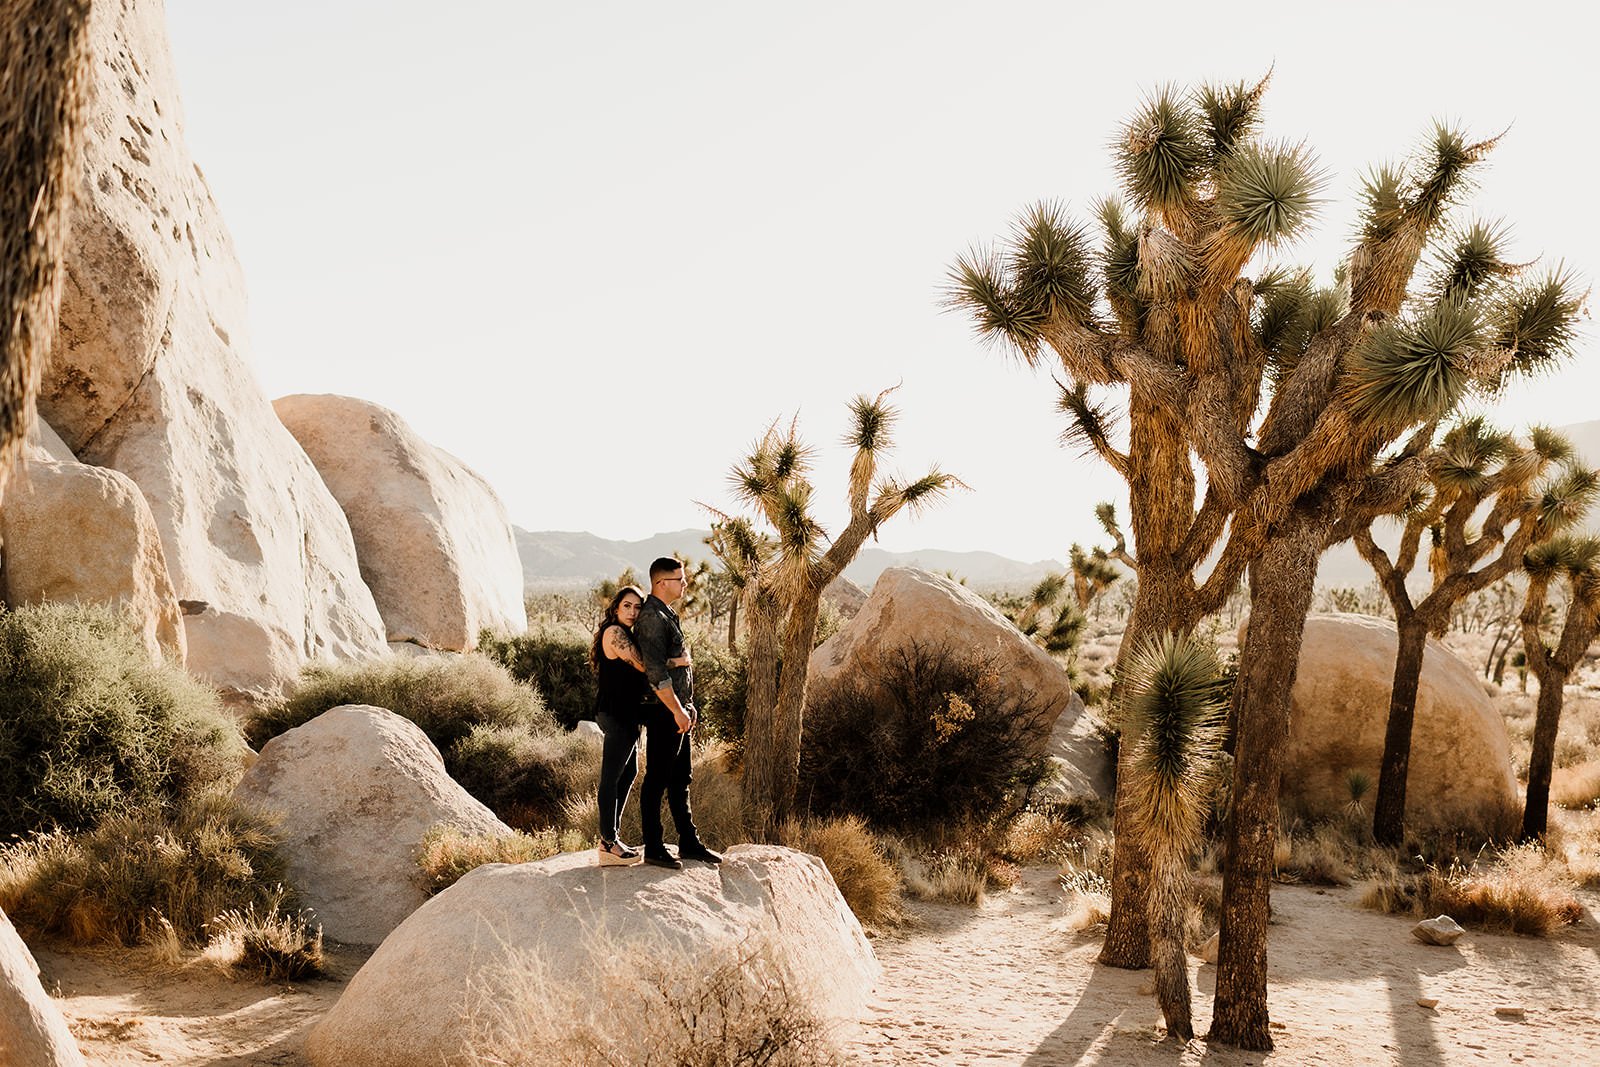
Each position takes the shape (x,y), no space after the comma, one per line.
(662,859)
(699,852)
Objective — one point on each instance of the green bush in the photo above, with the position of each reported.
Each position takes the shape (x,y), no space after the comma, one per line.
(930,746)
(90,727)
(444,695)
(525,778)
(496,735)
(720,683)
(552,658)
(117,883)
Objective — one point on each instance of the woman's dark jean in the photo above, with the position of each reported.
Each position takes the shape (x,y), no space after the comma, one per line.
(619,766)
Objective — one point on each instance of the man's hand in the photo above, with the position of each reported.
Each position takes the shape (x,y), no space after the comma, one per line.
(685,724)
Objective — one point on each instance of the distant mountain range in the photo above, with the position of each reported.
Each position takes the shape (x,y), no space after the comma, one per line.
(554,558)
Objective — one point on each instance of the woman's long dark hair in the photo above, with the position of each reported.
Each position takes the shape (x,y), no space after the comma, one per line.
(610,619)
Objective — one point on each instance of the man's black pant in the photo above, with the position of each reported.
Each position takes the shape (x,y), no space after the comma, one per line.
(666,770)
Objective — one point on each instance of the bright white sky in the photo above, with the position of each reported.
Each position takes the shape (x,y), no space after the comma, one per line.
(593,249)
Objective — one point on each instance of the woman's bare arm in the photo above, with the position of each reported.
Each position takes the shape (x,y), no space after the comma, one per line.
(618,645)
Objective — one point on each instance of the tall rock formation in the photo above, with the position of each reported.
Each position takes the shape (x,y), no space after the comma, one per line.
(433,539)
(150,376)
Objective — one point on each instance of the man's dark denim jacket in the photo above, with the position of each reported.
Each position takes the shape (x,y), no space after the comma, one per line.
(659,635)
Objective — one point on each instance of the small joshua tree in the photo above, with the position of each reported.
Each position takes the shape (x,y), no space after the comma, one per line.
(785,579)
(1172,711)
(1474,466)
(1577,560)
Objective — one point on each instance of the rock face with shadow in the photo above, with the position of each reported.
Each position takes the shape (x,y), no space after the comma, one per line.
(1460,776)
(150,376)
(548,931)
(433,539)
(356,789)
(32,1031)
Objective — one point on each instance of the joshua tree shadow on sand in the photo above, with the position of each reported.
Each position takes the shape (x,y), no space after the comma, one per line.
(1089,1021)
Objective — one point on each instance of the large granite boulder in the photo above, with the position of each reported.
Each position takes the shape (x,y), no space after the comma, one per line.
(150,376)
(32,1031)
(1460,776)
(453,966)
(434,542)
(114,556)
(356,789)
(909,605)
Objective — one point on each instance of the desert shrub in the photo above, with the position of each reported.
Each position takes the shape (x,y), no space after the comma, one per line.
(1323,855)
(1085,874)
(1575,838)
(1522,891)
(90,727)
(734,1006)
(719,692)
(930,746)
(119,882)
(272,943)
(446,696)
(446,853)
(525,777)
(552,658)
(858,862)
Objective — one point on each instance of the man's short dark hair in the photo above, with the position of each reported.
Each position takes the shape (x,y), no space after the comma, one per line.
(664,565)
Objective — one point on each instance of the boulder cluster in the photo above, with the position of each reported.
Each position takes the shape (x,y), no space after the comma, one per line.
(243,538)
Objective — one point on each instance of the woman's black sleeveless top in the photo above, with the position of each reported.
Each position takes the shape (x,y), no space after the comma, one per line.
(622,688)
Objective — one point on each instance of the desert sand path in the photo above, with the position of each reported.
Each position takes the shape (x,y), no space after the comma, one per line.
(1007,984)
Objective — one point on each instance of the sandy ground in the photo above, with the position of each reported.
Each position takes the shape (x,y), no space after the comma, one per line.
(1004,984)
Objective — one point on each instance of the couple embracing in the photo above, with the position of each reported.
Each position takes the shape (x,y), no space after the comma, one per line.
(646,679)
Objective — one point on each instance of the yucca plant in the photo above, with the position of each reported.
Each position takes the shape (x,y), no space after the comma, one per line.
(1473,466)
(1576,560)
(1172,714)
(45,68)
(1309,405)
(786,574)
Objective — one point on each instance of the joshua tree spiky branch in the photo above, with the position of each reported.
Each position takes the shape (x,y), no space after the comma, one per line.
(44,75)
(1577,560)
(1356,377)
(789,579)
(1172,714)
(1472,466)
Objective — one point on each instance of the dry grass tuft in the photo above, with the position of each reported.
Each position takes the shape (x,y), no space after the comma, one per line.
(733,1007)
(1039,837)
(1522,891)
(447,854)
(1086,876)
(1576,786)
(1325,856)
(1575,837)
(271,944)
(859,863)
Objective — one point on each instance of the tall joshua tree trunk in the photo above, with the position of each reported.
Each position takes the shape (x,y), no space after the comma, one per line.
(44,72)
(1546,724)
(761,702)
(1388,818)
(1162,605)
(1281,587)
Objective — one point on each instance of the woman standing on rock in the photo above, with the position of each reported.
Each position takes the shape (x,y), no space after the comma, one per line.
(618,713)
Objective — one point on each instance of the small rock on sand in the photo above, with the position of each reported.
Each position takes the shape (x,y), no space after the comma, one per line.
(1442,930)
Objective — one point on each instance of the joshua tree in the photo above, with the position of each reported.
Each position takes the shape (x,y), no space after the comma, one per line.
(741,551)
(1093,572)
(1360,372)
(1474,465)
(1577,559)
(784,587)
(1172,714)
(44,74)
(1052,622)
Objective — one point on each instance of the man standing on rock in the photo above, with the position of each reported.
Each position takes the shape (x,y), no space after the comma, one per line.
(668,720)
